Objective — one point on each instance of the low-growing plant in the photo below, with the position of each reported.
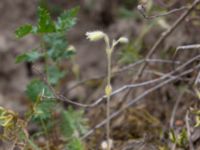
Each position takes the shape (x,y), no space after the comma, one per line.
(53,49)
(54,122)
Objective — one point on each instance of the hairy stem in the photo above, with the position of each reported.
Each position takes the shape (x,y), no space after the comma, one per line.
(108,98)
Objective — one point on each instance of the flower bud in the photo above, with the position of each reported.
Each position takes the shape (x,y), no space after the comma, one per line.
(106,144)
(95,35)
(71,48)
(108,90)
(123,40)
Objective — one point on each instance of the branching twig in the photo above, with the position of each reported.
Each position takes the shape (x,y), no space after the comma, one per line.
(135,100)
(166,34)
(123,69)
(192,46)
(160,15)
(168,75)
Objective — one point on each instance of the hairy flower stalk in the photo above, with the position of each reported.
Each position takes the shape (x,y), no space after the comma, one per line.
(108,90)
(95,36)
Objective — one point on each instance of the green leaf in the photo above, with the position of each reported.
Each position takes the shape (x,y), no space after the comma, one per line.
(28,57)
(182,138)
(73,123)
(197,119)
(172,136)
(67,19)
(43,110)
(45,23)
(23,30)
(75,144)
(54,74)
(42,107)
(57,45)
(35,88)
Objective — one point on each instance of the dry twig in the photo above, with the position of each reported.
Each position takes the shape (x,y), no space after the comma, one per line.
(63,98)
(166,34)
(135,100)
(123,69)
(141,10)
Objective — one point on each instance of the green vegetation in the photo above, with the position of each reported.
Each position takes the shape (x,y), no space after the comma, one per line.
(45,111)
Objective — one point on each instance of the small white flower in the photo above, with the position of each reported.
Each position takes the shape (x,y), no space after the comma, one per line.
(71,48)
(95,35)
(104,144)
(123,40)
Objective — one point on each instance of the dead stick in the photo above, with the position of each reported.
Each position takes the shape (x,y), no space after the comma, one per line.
(166,34)
(135,100)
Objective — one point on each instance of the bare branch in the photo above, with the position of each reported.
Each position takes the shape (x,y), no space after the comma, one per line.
(125,68)
(159,15)
(168,75)
(166,34)
(192,46)
(135,100)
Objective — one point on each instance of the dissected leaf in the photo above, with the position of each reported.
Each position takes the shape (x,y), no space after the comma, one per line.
(34,89)
(45,23)
(57,45)
(23,30)
(54,74)
(42,107)
(28,57)
(67,19)
(43,110)
(73,123)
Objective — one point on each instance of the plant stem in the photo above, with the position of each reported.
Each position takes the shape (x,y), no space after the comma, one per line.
(108,98)
(46,59)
